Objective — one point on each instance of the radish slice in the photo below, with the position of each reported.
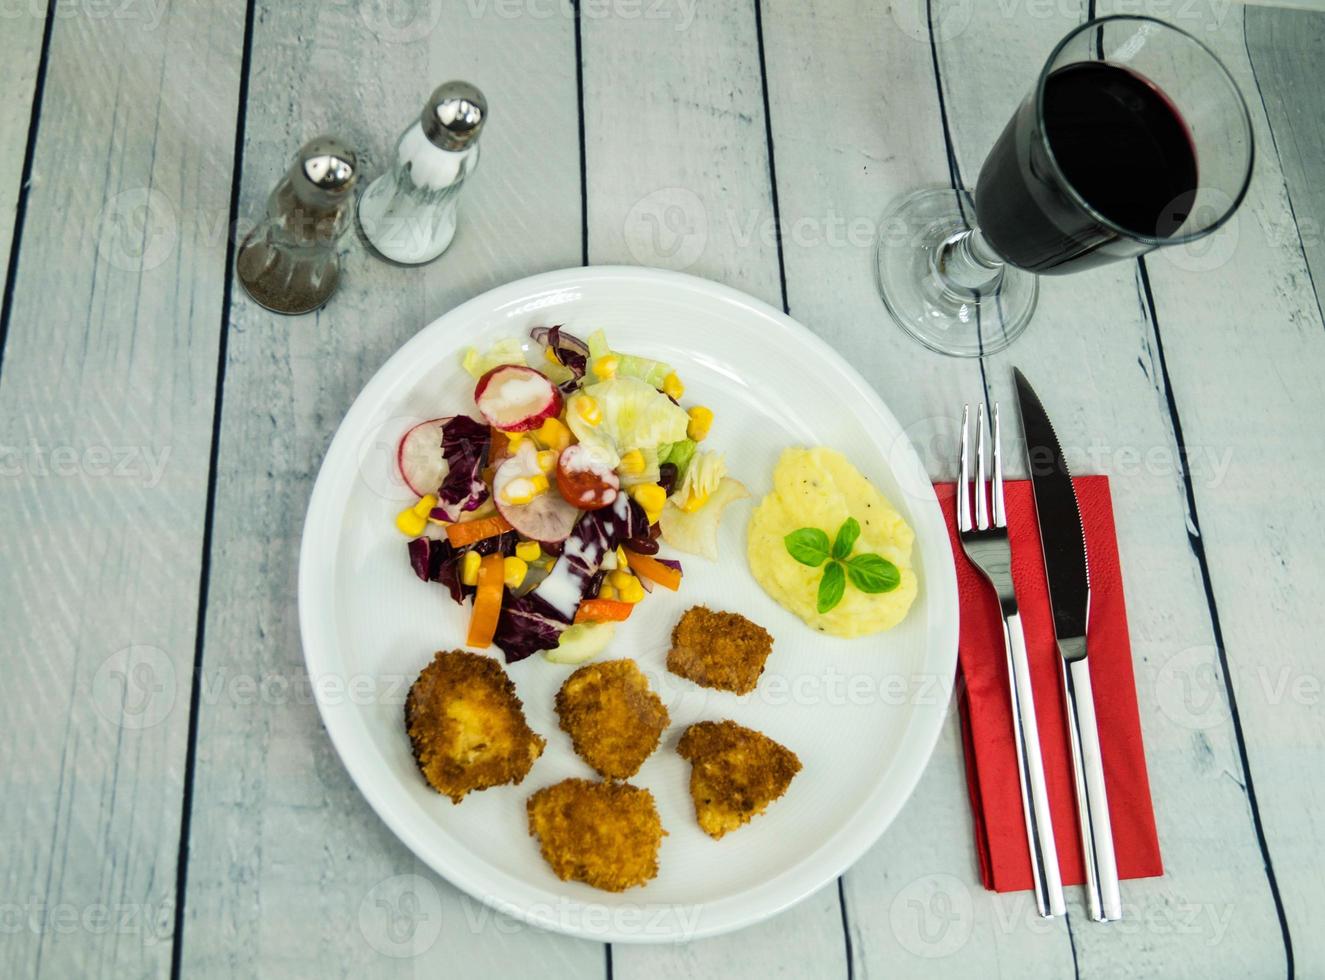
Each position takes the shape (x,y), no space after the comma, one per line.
(547,518)
(419,457)
(515,398)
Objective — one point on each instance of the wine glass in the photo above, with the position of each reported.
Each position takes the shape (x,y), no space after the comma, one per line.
(1135,136)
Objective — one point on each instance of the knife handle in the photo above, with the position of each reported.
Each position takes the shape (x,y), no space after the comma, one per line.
(1092,799)
(1030,770)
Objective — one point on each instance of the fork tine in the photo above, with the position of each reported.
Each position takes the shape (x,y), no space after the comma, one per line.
(1000,512)
(982,471)
(964,484)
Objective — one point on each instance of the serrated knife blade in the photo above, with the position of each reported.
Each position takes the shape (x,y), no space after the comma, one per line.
(1067,574)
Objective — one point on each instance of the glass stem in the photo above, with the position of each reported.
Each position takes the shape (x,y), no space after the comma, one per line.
(966,263)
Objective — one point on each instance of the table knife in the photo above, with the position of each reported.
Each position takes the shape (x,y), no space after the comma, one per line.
(1067,573)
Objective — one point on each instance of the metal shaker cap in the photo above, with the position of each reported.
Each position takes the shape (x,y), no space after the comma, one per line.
(327,165)
(454,115)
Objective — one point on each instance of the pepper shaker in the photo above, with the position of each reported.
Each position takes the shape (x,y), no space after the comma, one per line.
(408,214)
(290,262)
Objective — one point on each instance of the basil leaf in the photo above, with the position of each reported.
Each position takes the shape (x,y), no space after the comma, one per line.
(870,573)
(831,587)
(846,537)
(809,546)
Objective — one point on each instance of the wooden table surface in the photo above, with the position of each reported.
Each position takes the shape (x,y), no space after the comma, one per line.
(169,801)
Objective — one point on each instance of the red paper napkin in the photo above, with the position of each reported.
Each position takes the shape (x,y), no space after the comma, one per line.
(991,764)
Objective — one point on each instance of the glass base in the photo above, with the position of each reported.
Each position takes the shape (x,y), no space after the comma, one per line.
(916,236)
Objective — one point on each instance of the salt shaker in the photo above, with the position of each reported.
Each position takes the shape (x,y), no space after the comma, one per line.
(409,213)
(290,262)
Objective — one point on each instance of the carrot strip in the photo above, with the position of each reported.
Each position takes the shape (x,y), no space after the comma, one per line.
(654,570)
(602,611)
(470,531)
(487,601)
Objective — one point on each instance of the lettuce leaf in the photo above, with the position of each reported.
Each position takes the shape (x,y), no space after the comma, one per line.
(635,416)
(507,351)
(649,371)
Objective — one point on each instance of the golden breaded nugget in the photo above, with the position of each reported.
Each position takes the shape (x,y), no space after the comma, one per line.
(719,649)
(467,726)
(735,773)
(612,717)
(603,834)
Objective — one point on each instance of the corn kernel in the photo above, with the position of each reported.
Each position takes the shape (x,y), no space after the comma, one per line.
(411,523)
(469,568)
(621,560)
(550,355)
(632,591)
(425,505)
(553,434)
(632,463)
(607,592)
(620,579)
(513,440)
(606,366)
(701,420)
(514,569)
(520,490)
(651,497)
(694,502)
(528,551)
(539,484)
(546,459)
(588,409)
(672,386)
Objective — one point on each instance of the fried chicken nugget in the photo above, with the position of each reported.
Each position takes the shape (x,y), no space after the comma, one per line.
(467,726)
(735,773)
(719,649)
(603,834)
(613,718)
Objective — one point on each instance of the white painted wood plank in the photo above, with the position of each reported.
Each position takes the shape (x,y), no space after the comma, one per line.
(106,420)
(678,177)
(1287,48)
(291,872)
(1245,349)
(20,54)
(1091,356)
(855,123)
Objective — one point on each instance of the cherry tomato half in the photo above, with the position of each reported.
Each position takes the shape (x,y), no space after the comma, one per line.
(584,479)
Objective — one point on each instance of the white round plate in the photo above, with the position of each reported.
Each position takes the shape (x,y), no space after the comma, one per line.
(863,715)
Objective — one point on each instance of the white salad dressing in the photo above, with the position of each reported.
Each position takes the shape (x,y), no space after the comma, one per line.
(563,587)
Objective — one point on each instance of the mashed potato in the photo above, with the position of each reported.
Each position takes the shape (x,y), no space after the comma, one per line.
(820,488)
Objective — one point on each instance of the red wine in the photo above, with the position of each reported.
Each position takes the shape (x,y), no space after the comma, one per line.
(1121,146)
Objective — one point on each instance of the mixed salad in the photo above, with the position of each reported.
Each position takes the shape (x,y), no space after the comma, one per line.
(546,511)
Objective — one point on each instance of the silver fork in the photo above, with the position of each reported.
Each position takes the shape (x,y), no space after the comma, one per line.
(986,544)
